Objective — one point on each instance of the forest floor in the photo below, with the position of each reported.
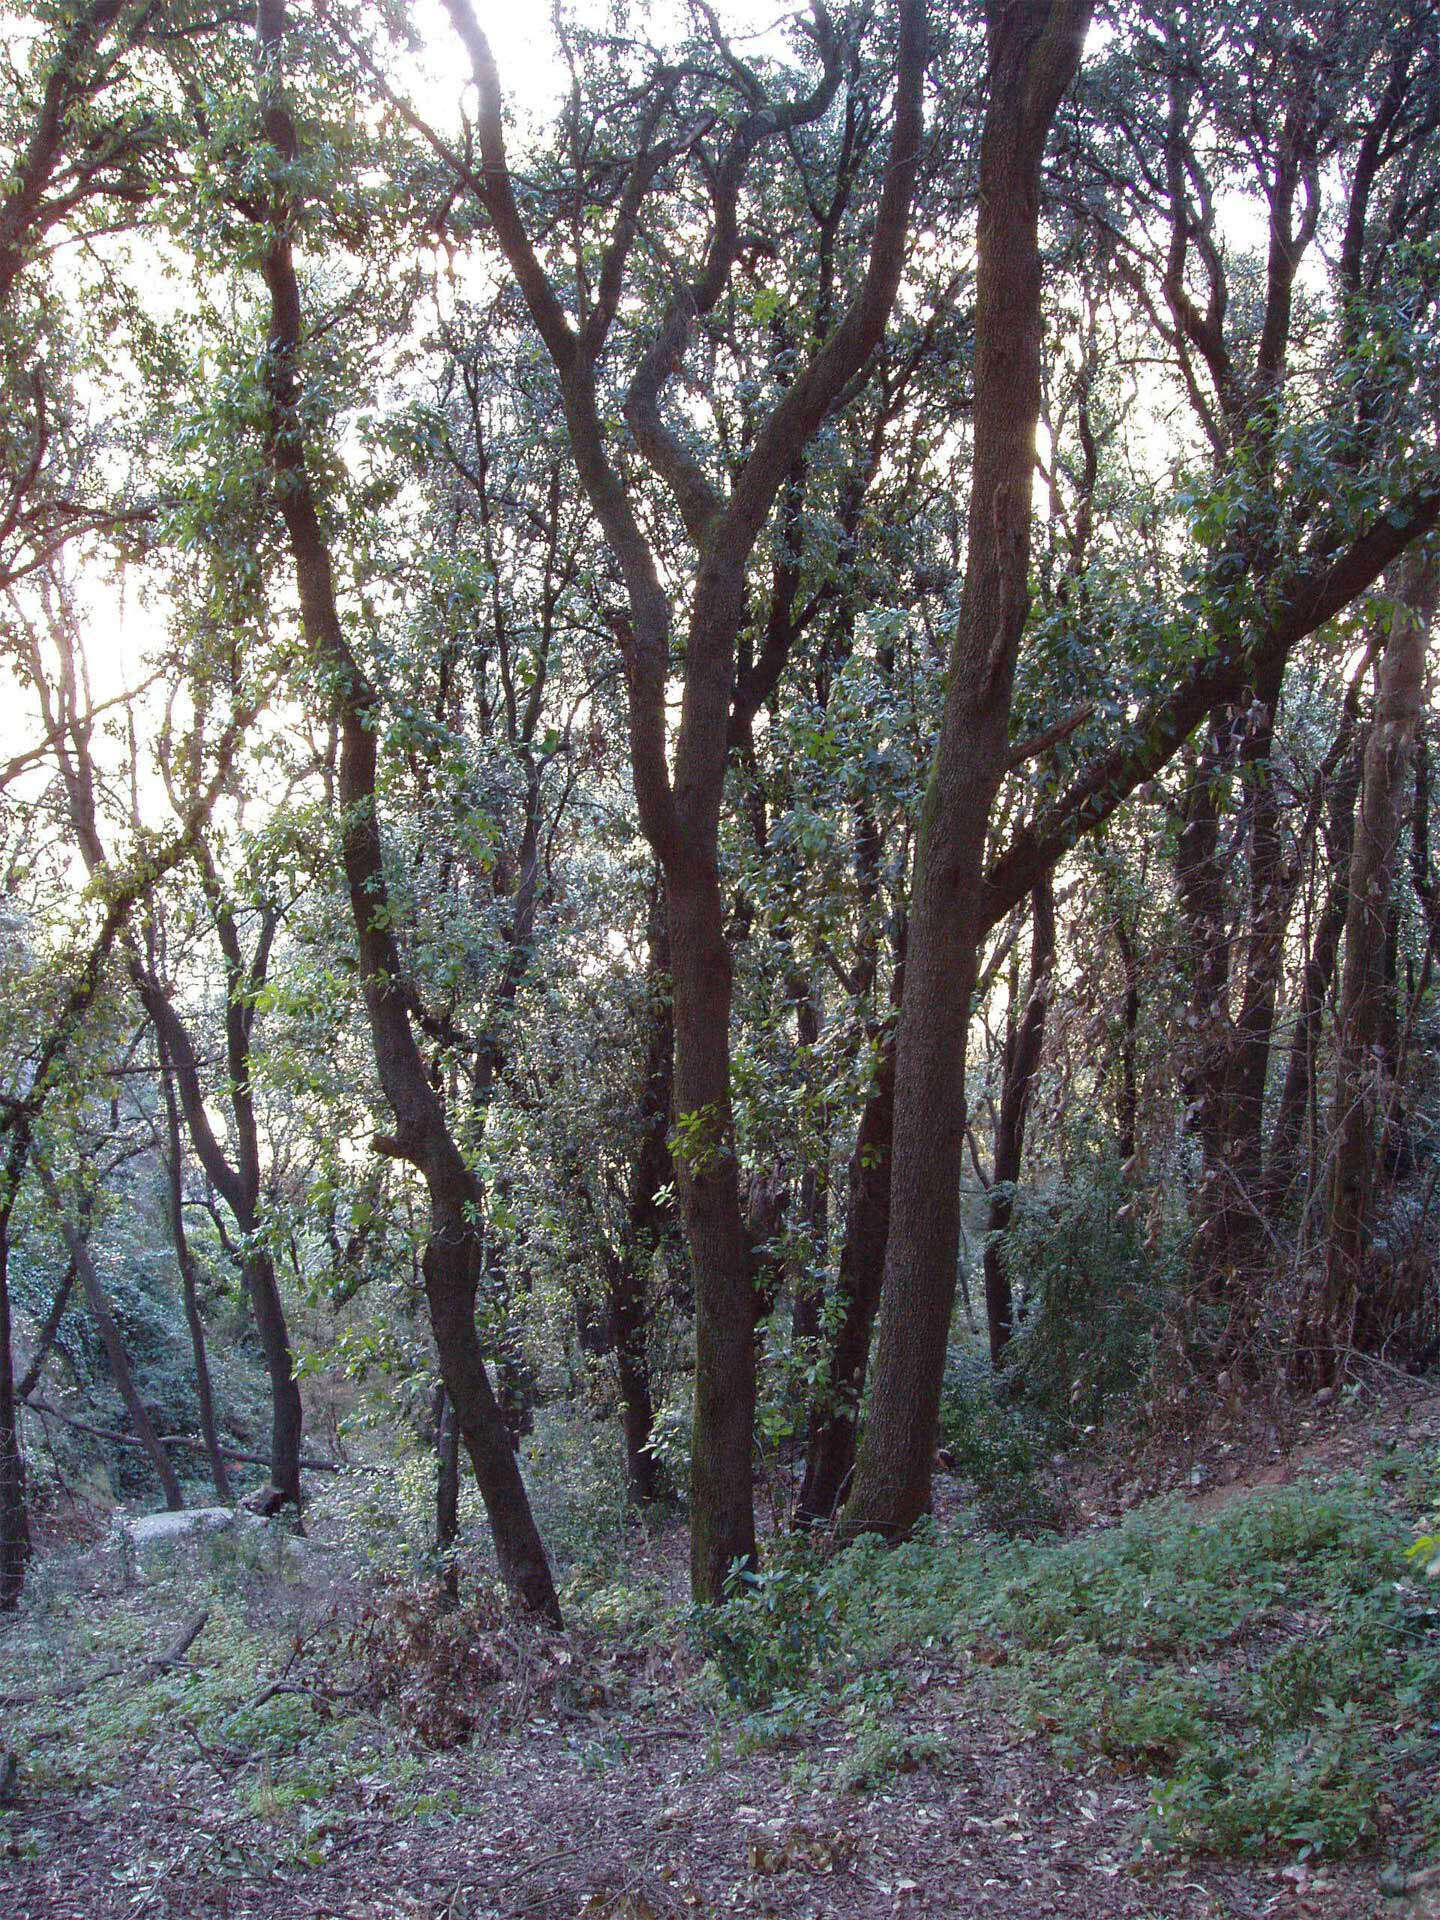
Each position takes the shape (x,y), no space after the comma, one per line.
(304,1755)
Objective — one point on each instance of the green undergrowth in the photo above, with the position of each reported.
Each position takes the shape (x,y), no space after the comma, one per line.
(86,1702)
(1273,1670)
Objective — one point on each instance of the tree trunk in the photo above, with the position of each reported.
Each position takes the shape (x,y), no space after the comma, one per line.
(645,1224)
(287,1418)
(175,1199)
(812,1241)
(1271,892)
(1034,49)
(830,1446)
(447,1489)
(1361,1074)
(722,1513)
(680,812)
(1127,1112)
(1205,1076)
(1287,1138)
(115,1349)
(14,1523)
(238,1181)
(48,1334)
(452,1257)
(1022,1061)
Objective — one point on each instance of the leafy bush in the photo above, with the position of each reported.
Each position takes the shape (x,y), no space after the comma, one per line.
(1269,1668)
(1091,1300)
(775,1628)
(996,1443)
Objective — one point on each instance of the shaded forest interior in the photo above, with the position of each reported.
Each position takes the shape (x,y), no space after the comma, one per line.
(720,921)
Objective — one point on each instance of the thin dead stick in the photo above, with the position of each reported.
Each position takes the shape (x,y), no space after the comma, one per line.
(147,1670)
(182,1440)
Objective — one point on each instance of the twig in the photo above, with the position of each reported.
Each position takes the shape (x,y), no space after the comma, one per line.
(150,1669)
(178,1440)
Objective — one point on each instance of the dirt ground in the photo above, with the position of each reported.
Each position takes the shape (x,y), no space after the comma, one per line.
(648,1814)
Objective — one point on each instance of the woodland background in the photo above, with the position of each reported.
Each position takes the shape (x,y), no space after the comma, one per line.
(717,786)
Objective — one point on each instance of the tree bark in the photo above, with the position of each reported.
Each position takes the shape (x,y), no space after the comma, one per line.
(830,1446)
(175,1201)
(1287,1136)
(1034,50)
(14,1520)
(447,1489)
(1023,1045)
(452,1258)
(1127,1109)
(1361,1075)
(645,1222)
(114,1346)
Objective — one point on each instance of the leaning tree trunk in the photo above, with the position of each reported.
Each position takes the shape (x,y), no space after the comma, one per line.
(1361,1068)
(1034,50)
(1022,1062)
(49,1333)
(452,1257)
(834,1421)
(175,1200)
(114,1347)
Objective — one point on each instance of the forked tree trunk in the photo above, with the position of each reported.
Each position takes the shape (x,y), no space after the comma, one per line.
(1023,1047)
(1034,50)
(680,812)
(1361,1068)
